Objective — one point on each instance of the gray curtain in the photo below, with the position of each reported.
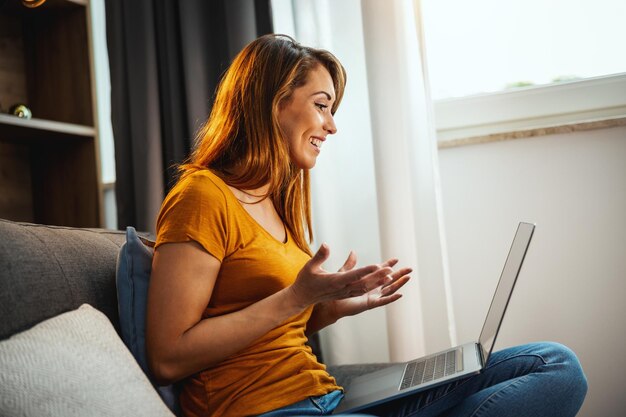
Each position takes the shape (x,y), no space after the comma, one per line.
(166,58)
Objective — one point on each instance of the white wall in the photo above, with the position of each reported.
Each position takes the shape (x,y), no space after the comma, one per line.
(572,288)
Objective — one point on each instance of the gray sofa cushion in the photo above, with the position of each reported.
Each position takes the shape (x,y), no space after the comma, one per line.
(74,365)
(48,270)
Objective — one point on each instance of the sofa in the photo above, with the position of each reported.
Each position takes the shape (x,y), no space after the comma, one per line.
(61,353)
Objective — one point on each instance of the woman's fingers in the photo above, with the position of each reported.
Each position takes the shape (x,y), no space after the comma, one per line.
(375,282)
(363,280)
(383,301)
(390,262)
(350,262)
(320,257)
(397,275)
(368,282)
(395,286)
(343,279)
(388,294)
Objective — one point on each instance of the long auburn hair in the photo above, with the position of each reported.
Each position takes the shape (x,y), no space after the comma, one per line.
(242,142)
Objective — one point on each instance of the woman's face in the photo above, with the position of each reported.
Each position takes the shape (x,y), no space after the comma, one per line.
(305,118)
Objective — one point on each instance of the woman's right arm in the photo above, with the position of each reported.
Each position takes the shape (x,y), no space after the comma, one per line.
(180,343)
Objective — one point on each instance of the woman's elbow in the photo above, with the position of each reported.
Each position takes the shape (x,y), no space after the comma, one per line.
(163,371)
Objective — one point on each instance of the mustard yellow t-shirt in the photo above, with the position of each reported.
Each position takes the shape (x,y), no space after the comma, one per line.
(276,370)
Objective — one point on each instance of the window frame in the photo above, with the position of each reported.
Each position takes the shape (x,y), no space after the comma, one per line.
(529,108)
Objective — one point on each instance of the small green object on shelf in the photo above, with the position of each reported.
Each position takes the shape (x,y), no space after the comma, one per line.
(20,110)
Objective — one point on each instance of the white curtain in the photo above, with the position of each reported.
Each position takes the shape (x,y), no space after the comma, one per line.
(376,185)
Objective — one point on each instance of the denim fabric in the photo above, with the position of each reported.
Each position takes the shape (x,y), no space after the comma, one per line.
(534,380)
(312,406)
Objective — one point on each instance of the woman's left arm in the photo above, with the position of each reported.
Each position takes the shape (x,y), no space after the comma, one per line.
(327,313)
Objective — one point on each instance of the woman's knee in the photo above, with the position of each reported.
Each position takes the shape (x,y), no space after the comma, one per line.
(562,360)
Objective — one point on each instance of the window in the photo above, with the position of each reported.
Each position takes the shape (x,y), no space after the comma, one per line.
(497,66)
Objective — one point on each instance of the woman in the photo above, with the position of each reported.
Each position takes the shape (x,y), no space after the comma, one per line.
(235,289)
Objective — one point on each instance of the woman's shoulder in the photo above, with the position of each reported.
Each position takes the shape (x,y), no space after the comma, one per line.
(196,197)
(202,182)
(198,192)
(196,208)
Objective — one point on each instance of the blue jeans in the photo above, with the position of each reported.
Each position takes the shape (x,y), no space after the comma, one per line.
(534,380)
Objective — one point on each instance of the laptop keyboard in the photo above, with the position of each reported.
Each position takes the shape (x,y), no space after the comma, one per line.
(430,369)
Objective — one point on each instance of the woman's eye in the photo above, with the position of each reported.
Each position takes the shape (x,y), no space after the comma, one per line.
(321,106)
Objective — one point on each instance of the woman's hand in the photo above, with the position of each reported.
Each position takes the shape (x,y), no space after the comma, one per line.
(379,296)
(314,285)
(328,312)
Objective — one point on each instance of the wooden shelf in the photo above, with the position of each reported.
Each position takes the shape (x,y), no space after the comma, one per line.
(68,2)
(15,6)
(49,167)
(13,128)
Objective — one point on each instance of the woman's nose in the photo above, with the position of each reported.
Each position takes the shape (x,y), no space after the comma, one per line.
(329,124)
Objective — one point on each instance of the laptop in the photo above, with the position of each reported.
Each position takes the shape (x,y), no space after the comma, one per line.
(407,378)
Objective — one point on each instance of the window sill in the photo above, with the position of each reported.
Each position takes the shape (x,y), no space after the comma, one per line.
(534,132)
(587,104)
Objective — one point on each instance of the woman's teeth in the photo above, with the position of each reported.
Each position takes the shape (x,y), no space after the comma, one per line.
(316,142)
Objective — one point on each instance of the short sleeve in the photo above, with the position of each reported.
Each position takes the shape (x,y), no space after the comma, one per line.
(195,210)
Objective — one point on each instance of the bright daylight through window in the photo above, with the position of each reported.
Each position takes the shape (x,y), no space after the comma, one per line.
(483,46)
(504,66)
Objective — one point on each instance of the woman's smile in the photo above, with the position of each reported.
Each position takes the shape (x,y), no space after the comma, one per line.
(317,143)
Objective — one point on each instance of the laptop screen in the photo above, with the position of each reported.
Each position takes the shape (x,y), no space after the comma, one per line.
(502,296)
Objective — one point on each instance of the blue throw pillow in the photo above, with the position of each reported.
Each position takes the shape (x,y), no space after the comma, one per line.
(134,263)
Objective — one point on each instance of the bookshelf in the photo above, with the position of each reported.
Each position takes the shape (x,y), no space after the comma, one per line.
(49,165)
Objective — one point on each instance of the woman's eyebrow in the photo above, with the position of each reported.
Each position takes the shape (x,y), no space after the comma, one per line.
(328,96)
